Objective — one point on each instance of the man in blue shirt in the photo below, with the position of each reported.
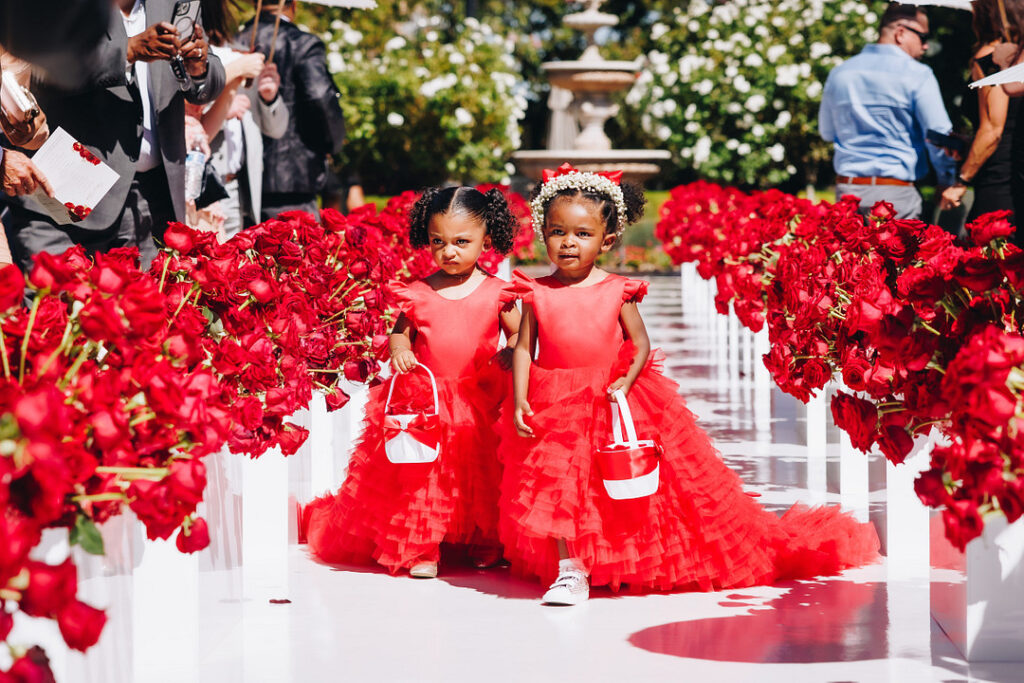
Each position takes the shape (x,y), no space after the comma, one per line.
(877,108)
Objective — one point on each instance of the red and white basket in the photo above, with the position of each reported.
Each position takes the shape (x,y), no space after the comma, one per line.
(628,467)
(412,437)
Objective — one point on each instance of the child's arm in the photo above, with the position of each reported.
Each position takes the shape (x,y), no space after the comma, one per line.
(400,345)
(509,321)
(637,333)
(522,357)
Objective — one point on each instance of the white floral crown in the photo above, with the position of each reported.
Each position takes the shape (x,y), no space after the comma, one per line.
(568,178)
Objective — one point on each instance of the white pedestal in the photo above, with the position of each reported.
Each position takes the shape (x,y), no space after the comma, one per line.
(265,517)
(978,597)
(817,448)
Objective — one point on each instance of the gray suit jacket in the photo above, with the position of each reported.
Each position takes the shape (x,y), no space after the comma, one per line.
(105,115)
(261,119)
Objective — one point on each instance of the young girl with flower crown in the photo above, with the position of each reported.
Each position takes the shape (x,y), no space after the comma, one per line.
(582,340)
(397,514)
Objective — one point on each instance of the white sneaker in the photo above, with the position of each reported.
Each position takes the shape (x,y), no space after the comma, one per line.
(423,570)
(570,588)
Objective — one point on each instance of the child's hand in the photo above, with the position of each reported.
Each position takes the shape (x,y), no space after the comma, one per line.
(403,361)
(522,410)
(503,358)
(621,383)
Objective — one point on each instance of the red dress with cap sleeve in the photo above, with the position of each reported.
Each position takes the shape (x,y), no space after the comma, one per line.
(398,514)
(699,531)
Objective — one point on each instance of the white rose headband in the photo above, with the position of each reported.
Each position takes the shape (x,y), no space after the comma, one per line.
(568,178)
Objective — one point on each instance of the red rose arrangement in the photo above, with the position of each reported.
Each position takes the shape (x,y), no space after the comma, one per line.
(925,331)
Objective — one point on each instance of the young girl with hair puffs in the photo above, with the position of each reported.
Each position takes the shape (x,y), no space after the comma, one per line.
(398,514)
(581,340)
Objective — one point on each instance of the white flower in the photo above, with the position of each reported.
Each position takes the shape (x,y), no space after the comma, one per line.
(777,152)
(431,36)
(704,87)
(663,132)
(755,103)
(757,131)
(743,150)
(691,127)
(741,84)
(658,30)
(351,36)
(783,119)
(396,43)
(463,117)
(819,49)
(395,119)
(702,150)
(457,58)
(787,75)
(774,52)
(753,59)
(732,143)
(814,89)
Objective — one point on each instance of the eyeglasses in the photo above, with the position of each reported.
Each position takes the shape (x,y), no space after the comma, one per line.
(923,35)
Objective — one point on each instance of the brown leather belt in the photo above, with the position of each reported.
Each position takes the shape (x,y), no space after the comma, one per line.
(230,177)
(847,180)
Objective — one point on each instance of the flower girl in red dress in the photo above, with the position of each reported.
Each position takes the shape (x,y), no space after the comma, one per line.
(582,338)
(397,514)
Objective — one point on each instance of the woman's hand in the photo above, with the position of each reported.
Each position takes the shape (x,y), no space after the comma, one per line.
(951,197)
(239,106)
(248,66)
(519,418)
(622,384)
(403,360)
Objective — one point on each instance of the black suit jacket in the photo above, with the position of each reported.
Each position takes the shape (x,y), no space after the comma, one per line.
(297,161)
(105,115)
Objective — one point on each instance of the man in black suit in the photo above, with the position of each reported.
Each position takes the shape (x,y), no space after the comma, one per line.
(131,114)
(295,165)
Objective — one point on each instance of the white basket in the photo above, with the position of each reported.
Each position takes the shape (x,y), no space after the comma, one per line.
(404,447)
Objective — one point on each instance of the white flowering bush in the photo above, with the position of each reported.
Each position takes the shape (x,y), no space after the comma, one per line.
(733,88)
(437,102)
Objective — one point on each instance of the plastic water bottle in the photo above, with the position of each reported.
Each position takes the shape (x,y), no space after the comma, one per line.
(195,163)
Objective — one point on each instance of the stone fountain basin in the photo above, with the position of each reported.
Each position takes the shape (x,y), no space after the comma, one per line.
(637,165)
(592,75)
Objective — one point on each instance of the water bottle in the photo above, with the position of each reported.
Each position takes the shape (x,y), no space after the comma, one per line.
(195,163)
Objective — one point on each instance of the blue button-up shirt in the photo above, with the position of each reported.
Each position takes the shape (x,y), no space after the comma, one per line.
(876,108)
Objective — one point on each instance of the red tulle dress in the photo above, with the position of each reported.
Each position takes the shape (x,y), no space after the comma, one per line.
(699,531)
(398,514)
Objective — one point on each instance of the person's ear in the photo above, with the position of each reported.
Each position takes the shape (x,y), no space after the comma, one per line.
(608,242)
(487,243)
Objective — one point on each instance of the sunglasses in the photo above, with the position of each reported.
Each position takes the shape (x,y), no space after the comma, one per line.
(923,35)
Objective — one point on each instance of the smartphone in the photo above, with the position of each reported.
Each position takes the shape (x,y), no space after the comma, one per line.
(950,142)
(184,18)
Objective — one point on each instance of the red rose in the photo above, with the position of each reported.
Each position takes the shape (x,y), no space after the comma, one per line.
(262,290)
(33,667)
(358,370)
(962,522)
(6,623)
(12,286)
(51,272)
(359,269)
(336,398)
(187,479)
(895,443)
(81,625)
(100,319)
(291,438)
(883,211)
(857,417)
(197,538)
(990,226)
(180,237)
(816,373)
(931,488)
(50,588)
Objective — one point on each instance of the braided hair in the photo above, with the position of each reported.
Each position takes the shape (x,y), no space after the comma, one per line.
(491,207)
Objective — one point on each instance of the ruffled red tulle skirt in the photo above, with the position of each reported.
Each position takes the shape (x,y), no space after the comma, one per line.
(398,514)
(699,531)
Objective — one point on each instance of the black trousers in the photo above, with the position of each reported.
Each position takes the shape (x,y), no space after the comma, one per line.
(147,210)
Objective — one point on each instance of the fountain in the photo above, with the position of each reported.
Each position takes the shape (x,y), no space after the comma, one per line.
(581,103)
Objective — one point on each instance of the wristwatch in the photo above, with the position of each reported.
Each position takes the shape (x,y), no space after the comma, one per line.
(961,181)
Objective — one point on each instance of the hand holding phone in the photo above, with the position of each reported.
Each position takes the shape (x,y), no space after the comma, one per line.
(184,18)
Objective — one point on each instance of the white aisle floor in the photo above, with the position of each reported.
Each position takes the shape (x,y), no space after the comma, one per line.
(358,624)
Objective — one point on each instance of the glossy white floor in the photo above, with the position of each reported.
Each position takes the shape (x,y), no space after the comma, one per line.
(356,624)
